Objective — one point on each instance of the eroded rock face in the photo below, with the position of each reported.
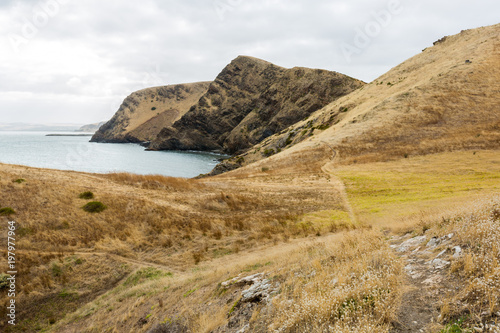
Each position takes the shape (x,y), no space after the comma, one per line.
(146,112)
(261,289)
(250,100)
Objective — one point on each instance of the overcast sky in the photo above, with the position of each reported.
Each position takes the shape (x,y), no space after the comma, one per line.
(69,61)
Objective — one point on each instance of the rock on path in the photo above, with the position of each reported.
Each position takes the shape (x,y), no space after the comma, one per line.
(426,283)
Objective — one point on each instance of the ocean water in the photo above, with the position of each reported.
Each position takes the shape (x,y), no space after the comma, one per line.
(77,153)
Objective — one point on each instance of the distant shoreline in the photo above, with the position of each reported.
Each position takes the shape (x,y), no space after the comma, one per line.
(69,135)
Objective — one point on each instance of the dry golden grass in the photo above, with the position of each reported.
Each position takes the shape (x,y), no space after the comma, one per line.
(167,223)
(202,232)
(349,286)
(178,239)
(160,250)
(433,102)
(436,103)
(154,181)
(476,301)
(361,296)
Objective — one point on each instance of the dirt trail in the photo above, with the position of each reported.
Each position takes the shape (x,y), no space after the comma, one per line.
(218,263)
(340,186)
(426,272)
(427,281)
(134,262)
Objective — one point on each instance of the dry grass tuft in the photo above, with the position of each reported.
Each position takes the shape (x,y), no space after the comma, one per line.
(351,286)
(153,181)
(477,270)
(150,220)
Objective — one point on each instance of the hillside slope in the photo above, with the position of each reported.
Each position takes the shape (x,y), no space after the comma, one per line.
(250,100)
(90,128)
(144,113)
(443,99)
(167,254)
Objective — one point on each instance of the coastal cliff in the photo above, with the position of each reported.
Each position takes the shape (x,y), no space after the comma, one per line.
(146,112)
(249,101)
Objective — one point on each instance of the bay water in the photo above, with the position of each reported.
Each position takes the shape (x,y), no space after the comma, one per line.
(36,149)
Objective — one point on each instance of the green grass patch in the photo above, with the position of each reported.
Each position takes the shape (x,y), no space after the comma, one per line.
(145,274)
(86,195)
(331,220)
(19,181)
(326,217)
(56,270)
(374,192)
(269,152)
(251,268)
(234,306)
(456,327)
(7,211)
(4,282)
(94,207)
(189,292)
(221,252)
(67,294)
(21,232)
(323,127)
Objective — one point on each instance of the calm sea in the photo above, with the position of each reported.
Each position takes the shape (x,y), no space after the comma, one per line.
(77,153)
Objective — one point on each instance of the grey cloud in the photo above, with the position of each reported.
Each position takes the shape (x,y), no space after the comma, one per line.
(120,46)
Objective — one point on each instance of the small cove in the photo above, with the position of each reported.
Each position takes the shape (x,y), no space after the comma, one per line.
(36,149)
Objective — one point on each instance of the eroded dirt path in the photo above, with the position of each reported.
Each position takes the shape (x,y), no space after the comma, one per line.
(427,281)
(427,261)
(133,262)
(339,185)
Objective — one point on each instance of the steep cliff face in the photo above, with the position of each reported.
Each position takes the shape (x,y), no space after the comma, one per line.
(251,100)
(146,112)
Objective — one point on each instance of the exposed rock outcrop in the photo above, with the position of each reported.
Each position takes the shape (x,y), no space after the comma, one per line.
(146,112)
(251,100)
